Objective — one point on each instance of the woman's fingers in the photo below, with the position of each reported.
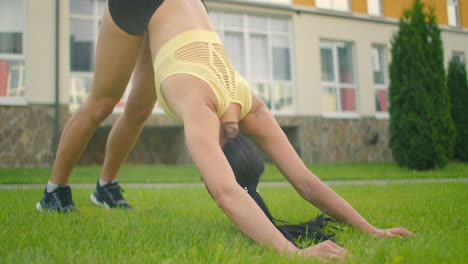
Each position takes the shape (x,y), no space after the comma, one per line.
(325,251)
(392,232)
(400,231)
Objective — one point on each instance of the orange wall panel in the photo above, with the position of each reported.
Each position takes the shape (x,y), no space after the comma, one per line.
(304,2)
(395,8)
(463,6)
(359,6)
(440,10)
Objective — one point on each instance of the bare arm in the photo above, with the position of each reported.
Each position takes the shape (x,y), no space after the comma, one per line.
(262,125)
(202,135)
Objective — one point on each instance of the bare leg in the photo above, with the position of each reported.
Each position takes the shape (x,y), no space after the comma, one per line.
(116,56)
(138,108)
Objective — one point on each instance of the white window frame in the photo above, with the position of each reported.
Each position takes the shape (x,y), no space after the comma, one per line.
(453,4)
(384,86)
(246,32)
(95,19)
(333,45)
(332,6)
(17,100)
(74,75)
(380,8)
(459,54)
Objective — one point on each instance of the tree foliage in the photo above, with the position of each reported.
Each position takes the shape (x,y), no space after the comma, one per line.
(458,89)
(421,126)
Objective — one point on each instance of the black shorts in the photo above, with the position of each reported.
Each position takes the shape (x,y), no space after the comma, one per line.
(133,16)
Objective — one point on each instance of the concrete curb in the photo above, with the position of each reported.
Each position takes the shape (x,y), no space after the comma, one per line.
(273,184)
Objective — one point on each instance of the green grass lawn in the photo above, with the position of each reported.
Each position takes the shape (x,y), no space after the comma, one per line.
(183,225)
(167,173)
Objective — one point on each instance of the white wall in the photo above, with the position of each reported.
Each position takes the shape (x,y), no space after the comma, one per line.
(40,51)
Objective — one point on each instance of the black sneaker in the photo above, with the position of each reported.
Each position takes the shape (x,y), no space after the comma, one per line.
(109,196)
(59,200)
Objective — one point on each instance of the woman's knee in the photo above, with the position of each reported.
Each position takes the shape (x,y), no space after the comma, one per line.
(138,113)
(99,109)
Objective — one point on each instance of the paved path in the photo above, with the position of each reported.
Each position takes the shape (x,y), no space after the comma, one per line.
(175,185)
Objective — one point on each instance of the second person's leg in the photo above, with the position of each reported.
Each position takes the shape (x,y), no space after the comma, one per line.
(116,55)
(138,108)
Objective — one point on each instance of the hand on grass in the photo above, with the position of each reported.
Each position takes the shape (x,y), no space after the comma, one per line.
(325,251)
(391,232)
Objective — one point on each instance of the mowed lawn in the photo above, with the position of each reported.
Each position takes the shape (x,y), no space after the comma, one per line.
(188,173)
(183,224)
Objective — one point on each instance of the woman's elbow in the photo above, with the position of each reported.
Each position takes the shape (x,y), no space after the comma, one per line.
(223,195)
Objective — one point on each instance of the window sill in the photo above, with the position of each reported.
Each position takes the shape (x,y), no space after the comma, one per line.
(382,115)
(13,101)
(286,114)
(342,115)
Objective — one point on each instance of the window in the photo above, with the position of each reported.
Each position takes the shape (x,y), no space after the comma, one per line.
(84,26)
(453,13)
(260,49)
(12,68)
(340,5)
(338,79)
(374,7)
(458,56)
(380,70)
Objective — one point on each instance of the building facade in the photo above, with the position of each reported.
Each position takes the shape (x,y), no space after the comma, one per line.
(320,65)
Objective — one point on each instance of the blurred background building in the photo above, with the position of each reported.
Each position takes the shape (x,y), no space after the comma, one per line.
(320,65)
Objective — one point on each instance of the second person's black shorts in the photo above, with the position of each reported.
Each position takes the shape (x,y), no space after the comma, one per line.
(133,16)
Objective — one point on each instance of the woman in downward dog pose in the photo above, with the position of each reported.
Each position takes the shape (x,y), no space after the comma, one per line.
(197,85)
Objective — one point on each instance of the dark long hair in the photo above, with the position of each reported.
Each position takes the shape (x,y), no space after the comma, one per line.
(248,167)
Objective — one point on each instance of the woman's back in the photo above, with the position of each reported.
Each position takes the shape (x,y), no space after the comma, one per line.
(174,17)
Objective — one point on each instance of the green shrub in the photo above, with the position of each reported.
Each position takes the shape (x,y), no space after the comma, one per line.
(458,89)
(421,126)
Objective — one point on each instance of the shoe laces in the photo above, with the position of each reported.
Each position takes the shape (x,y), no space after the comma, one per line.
(63,196)
(115,191)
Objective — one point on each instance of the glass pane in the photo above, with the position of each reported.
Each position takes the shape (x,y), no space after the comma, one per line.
(348,102)
(279,25)
(458,57)
(326,56)
(263,91)
(83,7)
(11,42)
(12,20)
(281,59)
(79,90)
(345,63)
(373,7)
(215,18)
(379,65)
(12,78)
(329,99)
(452,15)
(81,45)
(381,100)
(12,16)
(233,20)
(258,23)
(259,57)
(234,44)
(324,3)
(283,97)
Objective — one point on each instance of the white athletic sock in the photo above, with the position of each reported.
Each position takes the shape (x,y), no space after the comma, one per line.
(52,186)
(102,183)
